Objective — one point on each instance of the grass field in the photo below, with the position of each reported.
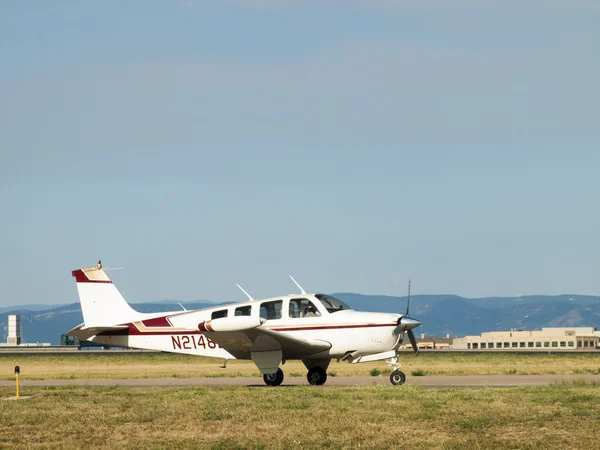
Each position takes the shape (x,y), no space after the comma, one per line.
(95,364)
(561,416)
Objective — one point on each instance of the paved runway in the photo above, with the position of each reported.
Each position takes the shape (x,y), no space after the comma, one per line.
(429,381)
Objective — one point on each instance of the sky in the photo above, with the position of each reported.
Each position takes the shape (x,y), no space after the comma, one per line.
(352,144)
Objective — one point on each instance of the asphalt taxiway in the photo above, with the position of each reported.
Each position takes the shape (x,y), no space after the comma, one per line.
(426,381)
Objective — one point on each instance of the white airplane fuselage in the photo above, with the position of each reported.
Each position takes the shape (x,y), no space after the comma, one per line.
(347,331)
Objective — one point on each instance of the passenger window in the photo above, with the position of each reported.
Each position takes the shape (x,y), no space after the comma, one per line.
(218,314)
(271,310)
(243,310)
(303,307)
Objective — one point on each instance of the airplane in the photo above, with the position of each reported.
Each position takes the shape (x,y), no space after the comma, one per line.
(313,328)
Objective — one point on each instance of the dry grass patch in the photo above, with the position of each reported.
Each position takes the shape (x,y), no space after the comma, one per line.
(303,417)
(98,365)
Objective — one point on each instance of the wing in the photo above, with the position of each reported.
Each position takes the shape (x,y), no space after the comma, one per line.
(241,343)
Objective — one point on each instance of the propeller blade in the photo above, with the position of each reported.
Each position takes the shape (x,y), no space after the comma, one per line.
(413,341)
(408,299)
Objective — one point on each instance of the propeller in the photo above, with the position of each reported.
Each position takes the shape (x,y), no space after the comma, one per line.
(407,323)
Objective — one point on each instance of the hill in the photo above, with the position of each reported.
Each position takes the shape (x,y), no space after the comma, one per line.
(441,314)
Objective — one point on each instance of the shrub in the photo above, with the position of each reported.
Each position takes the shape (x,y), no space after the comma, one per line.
(375,372)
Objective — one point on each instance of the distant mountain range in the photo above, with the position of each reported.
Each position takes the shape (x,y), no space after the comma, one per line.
(440,314)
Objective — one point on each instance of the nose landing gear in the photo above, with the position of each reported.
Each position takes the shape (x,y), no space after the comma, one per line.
(397,377)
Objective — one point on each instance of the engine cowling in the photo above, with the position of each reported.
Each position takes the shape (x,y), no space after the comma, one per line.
(239,323)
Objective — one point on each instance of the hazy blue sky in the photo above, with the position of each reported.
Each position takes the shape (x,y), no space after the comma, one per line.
(352,144)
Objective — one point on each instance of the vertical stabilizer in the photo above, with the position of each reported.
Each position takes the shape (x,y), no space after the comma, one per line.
(101,303)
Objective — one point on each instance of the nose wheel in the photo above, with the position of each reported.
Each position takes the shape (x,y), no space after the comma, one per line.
(316,376)
(273,379)
(397,378)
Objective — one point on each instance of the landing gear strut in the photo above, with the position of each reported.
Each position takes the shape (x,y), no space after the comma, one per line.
(316,376)
(273,379)
(397,377)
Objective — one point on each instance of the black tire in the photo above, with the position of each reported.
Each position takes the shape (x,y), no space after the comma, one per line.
(273,379)
(316,376)
(397,378)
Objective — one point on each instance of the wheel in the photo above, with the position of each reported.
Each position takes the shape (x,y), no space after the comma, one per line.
(397,378)
(274,379)
(317,376)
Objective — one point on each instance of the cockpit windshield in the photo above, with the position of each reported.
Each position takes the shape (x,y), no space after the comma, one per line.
(332,304)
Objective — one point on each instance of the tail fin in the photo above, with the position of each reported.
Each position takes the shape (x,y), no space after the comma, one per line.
(101,303)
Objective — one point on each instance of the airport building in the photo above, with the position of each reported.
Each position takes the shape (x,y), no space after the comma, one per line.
(14,330)
(14,335)
(428,343)
(583,338)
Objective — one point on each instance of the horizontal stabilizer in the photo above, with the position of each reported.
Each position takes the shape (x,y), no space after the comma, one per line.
(83,332)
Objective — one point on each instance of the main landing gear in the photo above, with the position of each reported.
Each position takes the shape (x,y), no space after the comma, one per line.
(316,376)
(274,379)
(397,377)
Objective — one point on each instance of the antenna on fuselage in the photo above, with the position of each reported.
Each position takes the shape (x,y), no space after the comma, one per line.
(302,291)
(247,295)
(182,307)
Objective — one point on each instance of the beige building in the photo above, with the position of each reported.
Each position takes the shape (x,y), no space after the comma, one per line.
(429,342)
(583,338)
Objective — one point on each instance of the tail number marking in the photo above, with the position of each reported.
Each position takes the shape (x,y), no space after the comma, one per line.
(192,342)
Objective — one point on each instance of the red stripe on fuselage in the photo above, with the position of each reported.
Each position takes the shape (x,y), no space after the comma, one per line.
(133,331)
(81,277)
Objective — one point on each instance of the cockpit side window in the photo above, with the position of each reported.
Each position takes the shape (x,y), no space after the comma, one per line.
(302,307)
(243,310)
(332,304)
(218,314)
(271,310)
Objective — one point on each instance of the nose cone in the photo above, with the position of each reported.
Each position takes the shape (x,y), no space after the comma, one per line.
(409,323)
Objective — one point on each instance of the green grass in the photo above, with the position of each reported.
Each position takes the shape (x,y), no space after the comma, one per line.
(298,417)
